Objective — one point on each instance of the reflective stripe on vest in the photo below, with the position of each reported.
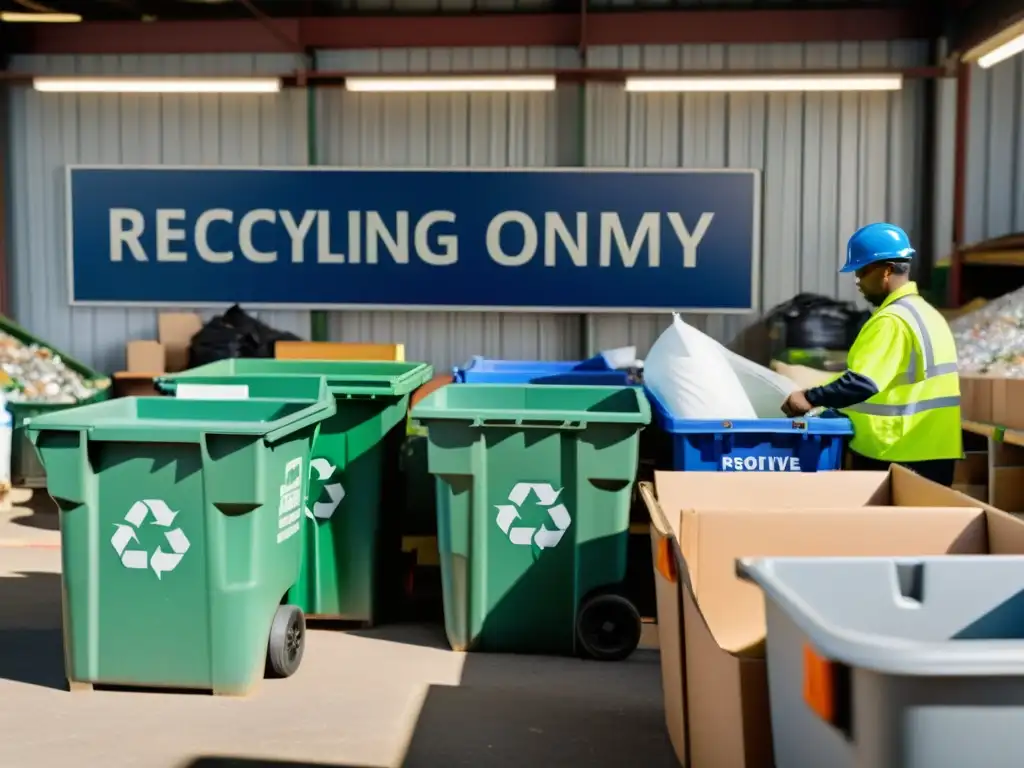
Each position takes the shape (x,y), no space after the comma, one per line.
(904,307)
(890,428)
(879,409)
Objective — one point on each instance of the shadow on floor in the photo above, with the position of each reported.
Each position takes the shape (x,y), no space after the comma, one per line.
(34,509)
(513,710)
(479,725)
(31,644)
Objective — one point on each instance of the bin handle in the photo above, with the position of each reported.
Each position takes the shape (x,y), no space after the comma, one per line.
(314,417)
(827,689)
(530,423)
(165,385)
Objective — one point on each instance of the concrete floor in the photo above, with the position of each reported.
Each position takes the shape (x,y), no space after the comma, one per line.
(389,697)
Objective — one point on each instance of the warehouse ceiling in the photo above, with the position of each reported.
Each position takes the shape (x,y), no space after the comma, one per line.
(299,26)
(203,10)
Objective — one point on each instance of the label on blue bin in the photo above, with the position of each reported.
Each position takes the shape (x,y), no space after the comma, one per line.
(760,464)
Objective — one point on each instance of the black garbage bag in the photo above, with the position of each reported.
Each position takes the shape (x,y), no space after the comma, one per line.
(812,321)
(234,334)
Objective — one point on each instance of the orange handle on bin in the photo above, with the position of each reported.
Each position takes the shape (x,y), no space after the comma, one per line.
(827,689)
(666,561)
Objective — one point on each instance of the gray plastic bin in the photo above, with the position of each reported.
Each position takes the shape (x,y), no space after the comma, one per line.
(894,662)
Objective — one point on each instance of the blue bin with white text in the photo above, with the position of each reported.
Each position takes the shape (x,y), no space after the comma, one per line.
(753,445)
(596,371)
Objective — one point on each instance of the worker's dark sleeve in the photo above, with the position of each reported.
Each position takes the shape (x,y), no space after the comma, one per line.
(849,389)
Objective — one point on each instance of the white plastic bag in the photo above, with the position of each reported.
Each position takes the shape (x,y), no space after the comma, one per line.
(693,378)
(766,389)
(620,357)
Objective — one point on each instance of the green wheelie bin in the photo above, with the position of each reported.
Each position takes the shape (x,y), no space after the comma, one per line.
(180,523)
(533,489)
(352,537)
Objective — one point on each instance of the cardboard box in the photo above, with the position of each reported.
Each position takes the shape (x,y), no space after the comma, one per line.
(338,350)
(976,394)
(971,476)
(711,625)
(145,356)
(134,384)
(1007,403)
(175,331)
(145,359)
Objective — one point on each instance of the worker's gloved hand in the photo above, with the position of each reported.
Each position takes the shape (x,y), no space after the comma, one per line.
(796,405)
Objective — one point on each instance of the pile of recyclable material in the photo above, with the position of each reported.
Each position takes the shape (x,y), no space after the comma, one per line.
(31,373)
(991,339)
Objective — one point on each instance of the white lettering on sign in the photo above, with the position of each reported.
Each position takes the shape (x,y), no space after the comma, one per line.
(647,233)
(575,243)
(221,236)
(126,225)
(206,218)
(690,240)
(761,464)
(529,230)
(169,231)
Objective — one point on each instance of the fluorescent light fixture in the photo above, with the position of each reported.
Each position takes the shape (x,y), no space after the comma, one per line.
(472,84)
(16,17)
(1004,44)
(764,83)
(1002,52)
(157,84)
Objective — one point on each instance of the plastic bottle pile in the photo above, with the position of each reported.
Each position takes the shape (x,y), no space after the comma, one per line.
(991,339)
(32,373)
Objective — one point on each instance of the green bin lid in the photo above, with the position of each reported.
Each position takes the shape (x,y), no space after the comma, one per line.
(178,420)
(535,405)
(225,387)
(344,377)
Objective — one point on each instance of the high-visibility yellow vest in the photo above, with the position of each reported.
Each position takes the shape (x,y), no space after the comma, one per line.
(915,416)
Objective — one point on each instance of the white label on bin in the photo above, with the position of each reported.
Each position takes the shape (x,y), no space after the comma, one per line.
(185,391)
(521,535)
(289,510)
(125,539)
(760,464)
(324,510)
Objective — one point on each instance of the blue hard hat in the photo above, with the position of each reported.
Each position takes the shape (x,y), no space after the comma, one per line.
(877,242)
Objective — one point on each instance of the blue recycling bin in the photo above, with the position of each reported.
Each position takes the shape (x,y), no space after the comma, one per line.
(596,371)
(753,445)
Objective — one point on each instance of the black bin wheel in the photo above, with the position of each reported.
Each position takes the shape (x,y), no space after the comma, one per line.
(287,641)
(608,627)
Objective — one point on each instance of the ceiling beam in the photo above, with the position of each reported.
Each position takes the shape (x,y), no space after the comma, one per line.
(978,21)
(665,27)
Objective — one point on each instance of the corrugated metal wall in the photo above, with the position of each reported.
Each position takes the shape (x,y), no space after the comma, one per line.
(830,162)
(443,130)
(995,152)
(49,132)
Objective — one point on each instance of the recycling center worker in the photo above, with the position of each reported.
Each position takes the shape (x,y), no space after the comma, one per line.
(901,389)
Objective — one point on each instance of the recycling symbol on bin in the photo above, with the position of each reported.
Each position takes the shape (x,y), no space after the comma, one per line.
(125,534)
(324,510)
(544,537)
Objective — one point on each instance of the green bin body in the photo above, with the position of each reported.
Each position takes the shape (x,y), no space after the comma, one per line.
(533,493)
(180,523)
(352,540)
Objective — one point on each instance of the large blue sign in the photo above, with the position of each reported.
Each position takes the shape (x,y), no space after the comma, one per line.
(551,240)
